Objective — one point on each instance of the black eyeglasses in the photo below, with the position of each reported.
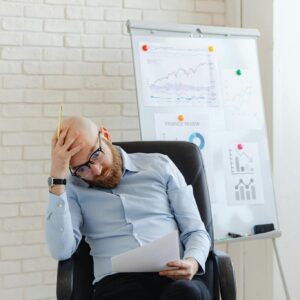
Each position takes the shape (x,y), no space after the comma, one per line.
(84,170)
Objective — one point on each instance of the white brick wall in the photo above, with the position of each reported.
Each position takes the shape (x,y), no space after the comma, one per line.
(75,52)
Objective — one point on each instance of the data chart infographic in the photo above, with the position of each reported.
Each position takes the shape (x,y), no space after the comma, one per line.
(202,85)
(243,178)
(185,83)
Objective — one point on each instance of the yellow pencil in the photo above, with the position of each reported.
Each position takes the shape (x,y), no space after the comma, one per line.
(59,122)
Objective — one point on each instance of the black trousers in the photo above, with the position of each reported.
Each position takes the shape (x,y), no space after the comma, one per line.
(149,286)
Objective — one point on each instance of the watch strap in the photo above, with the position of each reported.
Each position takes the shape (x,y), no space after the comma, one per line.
(56,181)
(59,181)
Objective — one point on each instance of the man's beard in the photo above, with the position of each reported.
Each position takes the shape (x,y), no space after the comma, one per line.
(115,173)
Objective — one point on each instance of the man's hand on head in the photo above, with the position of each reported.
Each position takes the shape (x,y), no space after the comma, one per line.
(183,269)
(62,150)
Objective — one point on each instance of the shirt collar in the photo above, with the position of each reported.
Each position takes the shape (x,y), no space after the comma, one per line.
(128,164)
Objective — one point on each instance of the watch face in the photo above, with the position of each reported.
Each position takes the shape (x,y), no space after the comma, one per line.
(49,181)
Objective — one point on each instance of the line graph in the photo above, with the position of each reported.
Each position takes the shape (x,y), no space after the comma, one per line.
(241,99)
(184,84)
(179,75)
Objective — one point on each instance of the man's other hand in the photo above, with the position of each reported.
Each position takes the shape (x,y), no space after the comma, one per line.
(183,269)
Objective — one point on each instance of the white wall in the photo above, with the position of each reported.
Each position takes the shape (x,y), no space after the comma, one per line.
(75,52)
(286,140)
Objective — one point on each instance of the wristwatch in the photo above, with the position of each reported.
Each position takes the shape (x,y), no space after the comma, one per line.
(56,181)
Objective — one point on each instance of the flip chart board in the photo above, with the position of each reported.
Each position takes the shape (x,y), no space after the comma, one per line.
(202,84)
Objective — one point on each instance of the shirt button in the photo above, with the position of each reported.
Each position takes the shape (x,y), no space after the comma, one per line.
(60,205)
(129,221)
(136,235)
(61,229)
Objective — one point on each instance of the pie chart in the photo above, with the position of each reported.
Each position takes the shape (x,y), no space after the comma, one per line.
(198,139)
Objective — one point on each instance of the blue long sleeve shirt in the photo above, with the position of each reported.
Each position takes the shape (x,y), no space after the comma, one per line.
(151,200)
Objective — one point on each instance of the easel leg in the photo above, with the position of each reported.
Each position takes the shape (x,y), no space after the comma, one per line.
(281,270)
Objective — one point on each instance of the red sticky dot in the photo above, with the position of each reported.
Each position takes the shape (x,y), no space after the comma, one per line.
(145,47)
(240,146)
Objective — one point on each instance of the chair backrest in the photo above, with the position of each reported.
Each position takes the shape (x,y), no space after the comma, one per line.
(187,158)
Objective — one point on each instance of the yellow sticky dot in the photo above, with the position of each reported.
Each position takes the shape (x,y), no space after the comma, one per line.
(211,49)
(181,118)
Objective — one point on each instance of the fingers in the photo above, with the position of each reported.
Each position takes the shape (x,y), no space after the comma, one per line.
(63,140)
(178,264)
(63,144)
(53,140)
(182,270)
(177,274)
(75,150)
(62,136)
(69,142)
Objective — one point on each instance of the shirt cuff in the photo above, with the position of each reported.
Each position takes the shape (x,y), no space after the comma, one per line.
(57,204)
(199,258)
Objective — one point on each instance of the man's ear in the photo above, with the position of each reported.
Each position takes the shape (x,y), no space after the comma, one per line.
(105,133)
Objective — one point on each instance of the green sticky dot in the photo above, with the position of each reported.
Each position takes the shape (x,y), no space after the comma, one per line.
(238,72)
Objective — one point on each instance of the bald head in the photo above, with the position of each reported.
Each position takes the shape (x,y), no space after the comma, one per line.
(80,125)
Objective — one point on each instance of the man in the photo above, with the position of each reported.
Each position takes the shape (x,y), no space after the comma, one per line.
(119,202)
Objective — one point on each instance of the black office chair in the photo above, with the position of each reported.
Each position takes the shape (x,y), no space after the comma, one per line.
(75,275)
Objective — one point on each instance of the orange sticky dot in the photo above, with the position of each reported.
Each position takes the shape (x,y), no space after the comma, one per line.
(181,118)
(145,47)
(240,146)
(211,49)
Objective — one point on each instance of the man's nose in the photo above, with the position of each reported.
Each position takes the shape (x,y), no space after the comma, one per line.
(96,168)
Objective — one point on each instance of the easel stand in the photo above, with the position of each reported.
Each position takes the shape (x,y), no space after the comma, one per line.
(273,235)
(280,269)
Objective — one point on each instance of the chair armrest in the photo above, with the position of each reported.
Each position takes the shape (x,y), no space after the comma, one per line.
(226,275)
(64,286)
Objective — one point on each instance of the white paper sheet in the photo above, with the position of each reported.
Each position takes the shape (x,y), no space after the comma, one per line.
(152,257)
(241,101)
(243,180)
(193,128)
(178,74)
